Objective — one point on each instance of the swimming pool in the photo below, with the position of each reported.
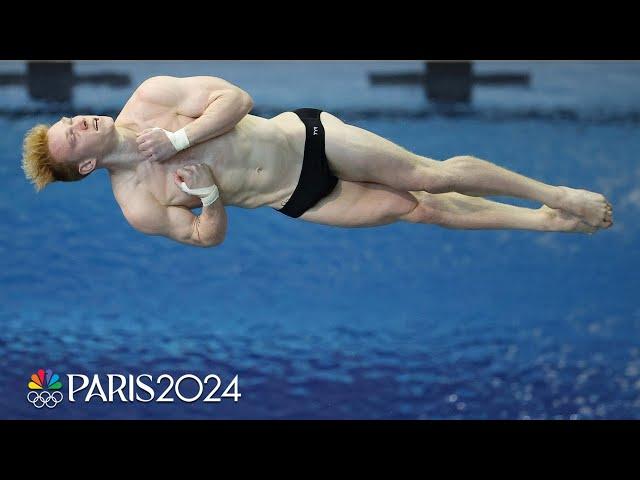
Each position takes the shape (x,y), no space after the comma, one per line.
(402,321)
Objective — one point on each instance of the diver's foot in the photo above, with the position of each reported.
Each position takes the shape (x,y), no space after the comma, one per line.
(592,207)
(556,220)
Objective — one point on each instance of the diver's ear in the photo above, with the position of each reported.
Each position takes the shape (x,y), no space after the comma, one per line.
(86,166)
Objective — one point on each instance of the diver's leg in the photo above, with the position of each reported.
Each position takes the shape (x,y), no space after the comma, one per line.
(356,154)
(361,204)
(459,211)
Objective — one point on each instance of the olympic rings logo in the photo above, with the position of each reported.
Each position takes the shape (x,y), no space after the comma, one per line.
(40,399)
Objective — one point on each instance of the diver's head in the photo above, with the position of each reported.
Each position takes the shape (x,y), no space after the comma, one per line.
(68,150)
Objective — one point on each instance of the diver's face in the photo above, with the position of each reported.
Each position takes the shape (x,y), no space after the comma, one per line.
(80,137)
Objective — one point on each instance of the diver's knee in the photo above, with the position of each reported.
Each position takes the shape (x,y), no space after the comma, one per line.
(423,211)
(438,177)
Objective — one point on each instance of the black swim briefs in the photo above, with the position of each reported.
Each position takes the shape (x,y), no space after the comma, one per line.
(316,179)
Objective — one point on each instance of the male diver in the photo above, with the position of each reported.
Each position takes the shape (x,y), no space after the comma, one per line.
(183,143)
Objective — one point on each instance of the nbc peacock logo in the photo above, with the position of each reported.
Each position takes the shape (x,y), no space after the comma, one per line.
(44,389)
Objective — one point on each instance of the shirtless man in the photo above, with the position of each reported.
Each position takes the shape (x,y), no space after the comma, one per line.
(183,143)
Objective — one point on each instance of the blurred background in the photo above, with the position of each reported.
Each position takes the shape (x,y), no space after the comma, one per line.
(396,322)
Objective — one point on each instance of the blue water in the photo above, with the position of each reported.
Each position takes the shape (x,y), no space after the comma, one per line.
(395,322)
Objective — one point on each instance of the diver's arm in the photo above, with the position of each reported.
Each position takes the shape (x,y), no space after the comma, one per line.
(215,104)
(146,214)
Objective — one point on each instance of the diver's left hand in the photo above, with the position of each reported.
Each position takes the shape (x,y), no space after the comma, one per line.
(154,145)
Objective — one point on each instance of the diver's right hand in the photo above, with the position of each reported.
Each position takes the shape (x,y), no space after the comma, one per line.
(155,145)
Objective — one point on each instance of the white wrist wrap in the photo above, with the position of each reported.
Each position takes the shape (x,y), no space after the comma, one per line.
(207,195)
(179,139)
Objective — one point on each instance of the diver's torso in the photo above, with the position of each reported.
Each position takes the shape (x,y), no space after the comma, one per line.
(255,164)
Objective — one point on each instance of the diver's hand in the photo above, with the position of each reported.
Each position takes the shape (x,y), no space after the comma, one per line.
(194,176)
(154,145)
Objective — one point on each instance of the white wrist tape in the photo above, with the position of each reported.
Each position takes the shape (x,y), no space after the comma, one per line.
(207,195)
(178,139)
